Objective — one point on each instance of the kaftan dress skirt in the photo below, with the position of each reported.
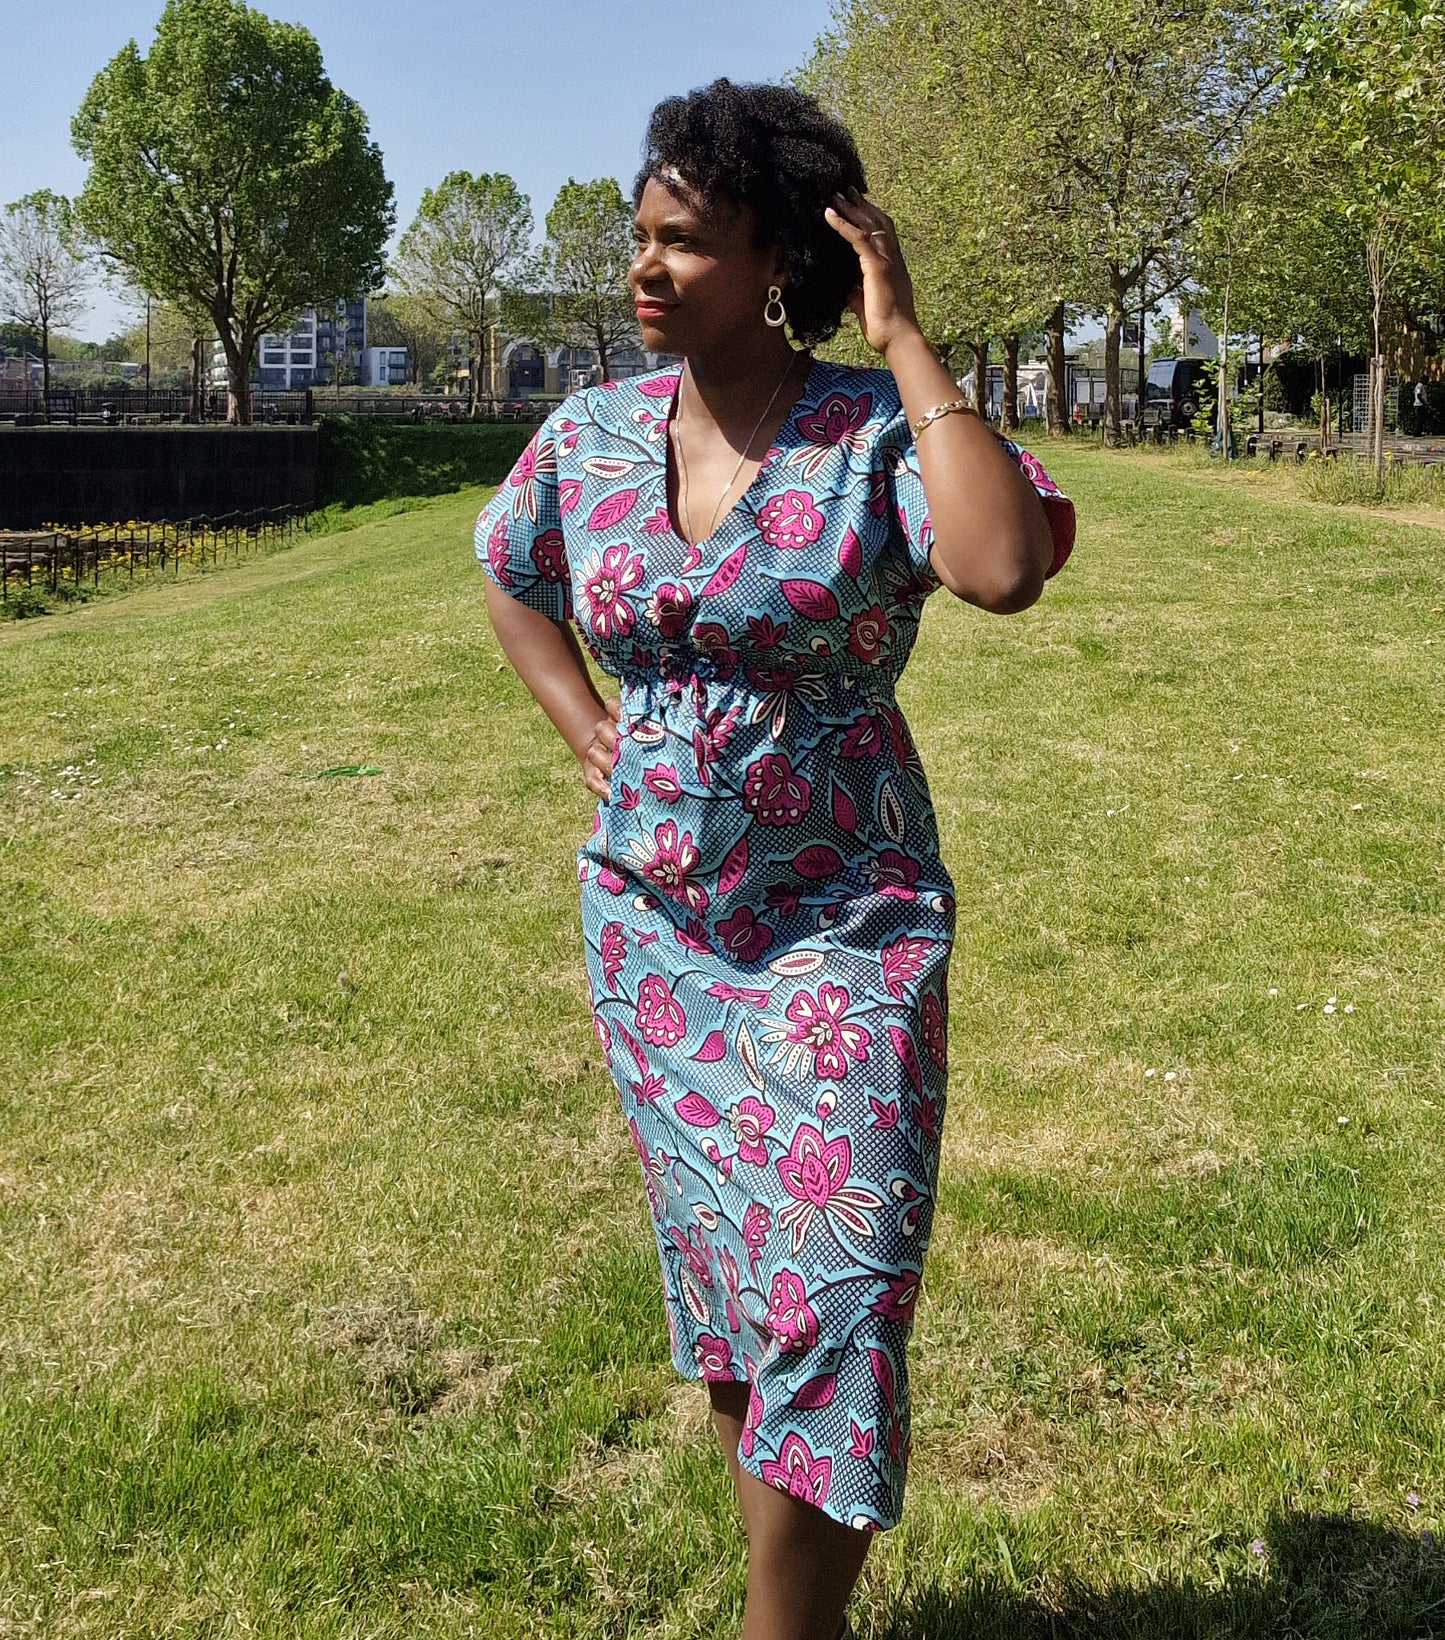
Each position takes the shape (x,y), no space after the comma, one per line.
(768,920)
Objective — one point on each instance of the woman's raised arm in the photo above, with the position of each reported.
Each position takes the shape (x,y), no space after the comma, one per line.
(992,543)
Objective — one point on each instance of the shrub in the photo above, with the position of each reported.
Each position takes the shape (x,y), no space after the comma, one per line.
(360,461)
(23,603)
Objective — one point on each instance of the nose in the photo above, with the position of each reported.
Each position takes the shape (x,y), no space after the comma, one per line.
(643,264)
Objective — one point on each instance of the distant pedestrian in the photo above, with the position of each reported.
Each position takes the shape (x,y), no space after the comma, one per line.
(1422,409)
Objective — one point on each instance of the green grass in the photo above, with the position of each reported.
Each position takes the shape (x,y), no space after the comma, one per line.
(328,1306)
(1351,480)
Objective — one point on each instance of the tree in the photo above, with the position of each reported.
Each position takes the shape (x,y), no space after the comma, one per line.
(1288,261)
(402,321)
(1142,105)
(467,241)
(1373,74)
(952,150)
(228,175)
(43,269)
(173,336)
(580,296)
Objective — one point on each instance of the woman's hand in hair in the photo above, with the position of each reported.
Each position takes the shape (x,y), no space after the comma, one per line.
(883,302)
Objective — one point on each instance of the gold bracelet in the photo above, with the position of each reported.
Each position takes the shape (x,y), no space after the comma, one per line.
(961,406)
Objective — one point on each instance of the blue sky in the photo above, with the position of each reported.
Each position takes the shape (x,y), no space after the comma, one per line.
(542,91)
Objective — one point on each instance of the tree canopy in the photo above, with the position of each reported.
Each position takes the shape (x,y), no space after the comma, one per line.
(580,296)
(229,176)
(463,251)
(1051,153)
(43,269)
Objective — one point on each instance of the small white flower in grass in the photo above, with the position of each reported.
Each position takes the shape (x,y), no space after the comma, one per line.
(1299,1007)
(1151,1071)
(1274,990)
(1412,1500)
(1329,1007)
(1356,807)
(1342,1121)
(1171,1076)
(1349,1007)
(1258,1547)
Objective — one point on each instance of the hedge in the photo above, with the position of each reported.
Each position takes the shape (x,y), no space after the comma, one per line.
(361,461)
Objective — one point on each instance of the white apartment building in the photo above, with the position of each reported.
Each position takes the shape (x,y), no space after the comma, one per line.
(384,367)
(307,355)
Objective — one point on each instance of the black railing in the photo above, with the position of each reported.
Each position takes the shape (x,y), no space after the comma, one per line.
(108,406)
(60,559)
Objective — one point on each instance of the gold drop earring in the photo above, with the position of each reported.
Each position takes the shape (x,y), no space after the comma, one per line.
(775,300)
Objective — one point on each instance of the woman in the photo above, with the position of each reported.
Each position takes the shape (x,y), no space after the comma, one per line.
(746,544)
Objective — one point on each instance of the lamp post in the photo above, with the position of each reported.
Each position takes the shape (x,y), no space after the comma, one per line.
(148,354)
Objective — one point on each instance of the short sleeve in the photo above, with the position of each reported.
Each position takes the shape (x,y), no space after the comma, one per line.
(904,489)
(519,534)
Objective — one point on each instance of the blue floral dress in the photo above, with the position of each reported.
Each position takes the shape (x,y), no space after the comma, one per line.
(767,918)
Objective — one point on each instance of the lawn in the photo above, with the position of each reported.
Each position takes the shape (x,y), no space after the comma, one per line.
(328,1304)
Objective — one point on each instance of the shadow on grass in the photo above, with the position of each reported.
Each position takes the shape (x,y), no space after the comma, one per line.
(1324,1577)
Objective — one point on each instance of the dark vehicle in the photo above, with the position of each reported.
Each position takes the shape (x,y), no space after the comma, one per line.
(1172,392)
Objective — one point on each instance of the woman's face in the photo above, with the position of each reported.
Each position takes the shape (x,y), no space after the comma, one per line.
(698,279)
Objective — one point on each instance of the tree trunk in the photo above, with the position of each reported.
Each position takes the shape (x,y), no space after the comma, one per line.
(44,366)
(1009,422)
(604,359)
(1375,259)
(1221,409)
(1056,403)
(980,377)
(238,375)
(197,354)
(1324,409)
(474,364)
(1113,395)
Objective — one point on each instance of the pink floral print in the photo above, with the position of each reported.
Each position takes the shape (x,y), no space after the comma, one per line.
(767,917)
(790,520)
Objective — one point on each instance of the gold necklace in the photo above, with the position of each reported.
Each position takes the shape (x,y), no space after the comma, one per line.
(682,455)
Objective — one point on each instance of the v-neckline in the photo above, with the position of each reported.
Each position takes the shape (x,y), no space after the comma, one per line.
(700,547)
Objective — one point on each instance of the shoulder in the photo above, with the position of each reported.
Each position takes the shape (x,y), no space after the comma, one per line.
(867,397)
(618,402)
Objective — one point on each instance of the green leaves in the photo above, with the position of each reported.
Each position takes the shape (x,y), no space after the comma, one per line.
(581,296)
(469,234)
(229,176)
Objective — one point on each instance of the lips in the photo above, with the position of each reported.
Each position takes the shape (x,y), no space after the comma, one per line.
(647,308)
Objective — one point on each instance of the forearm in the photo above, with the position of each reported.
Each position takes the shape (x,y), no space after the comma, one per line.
(992,544)
(548,659)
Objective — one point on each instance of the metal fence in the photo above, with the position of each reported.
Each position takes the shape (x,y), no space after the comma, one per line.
(128,406)
(61,559)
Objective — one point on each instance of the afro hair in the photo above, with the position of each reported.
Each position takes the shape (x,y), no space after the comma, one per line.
(774,150)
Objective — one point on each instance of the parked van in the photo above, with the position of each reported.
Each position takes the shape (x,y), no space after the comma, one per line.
(1171,392)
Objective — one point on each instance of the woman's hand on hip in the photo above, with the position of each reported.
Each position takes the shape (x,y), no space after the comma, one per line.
(883,302)
(597,757)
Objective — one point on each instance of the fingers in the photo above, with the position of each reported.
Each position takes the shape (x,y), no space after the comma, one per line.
(601,749)
(866,228)
(850,231)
